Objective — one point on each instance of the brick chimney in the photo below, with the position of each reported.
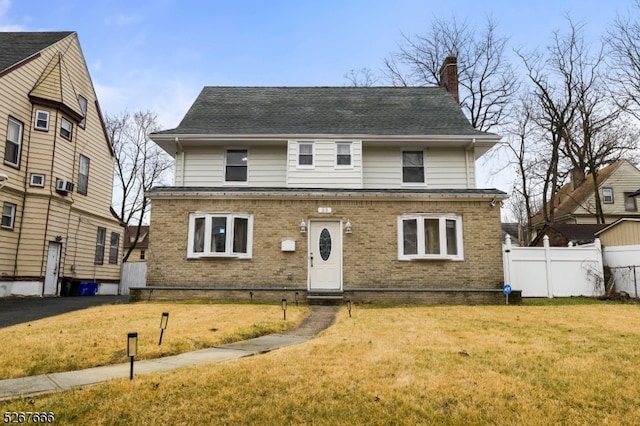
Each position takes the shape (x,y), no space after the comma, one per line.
(577,178)
(449,76)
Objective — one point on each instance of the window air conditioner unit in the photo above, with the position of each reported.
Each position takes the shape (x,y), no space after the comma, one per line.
(64,186)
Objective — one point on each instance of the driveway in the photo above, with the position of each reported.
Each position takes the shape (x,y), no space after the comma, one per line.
(24,309)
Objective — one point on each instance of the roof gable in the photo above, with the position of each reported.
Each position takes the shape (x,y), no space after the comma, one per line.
(568,199)
(325,110)
(15,47)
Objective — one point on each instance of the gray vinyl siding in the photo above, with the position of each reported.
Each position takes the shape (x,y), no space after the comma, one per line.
(204,166)
(445,168)
(324,173)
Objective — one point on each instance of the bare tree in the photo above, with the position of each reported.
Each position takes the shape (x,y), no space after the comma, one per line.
(362,77)
(140,164)
(486,78)
(623,41)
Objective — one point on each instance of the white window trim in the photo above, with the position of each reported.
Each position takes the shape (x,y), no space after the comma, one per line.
(70,129)
(83,107)
(313,155)
(604,201)
(18,142)
(224,170)
(344,166)
(420,217)
(12,216)
(424,167)
(32,180)
(46,127)
(229,232)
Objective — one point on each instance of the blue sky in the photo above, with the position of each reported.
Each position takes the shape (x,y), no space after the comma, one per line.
(158,54)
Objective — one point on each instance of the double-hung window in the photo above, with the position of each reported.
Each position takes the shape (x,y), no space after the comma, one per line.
(83,175)
(8,215)
(66,128)
(14,143)
(113,248)
(607,195)
(236,165)
(630,202)
(220,235)
(430,236)
(343,155)
(100,240)
(82,101)
(305,155)
(413,167)
(42,120)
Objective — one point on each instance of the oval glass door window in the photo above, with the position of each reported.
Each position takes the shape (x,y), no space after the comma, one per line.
(324,244)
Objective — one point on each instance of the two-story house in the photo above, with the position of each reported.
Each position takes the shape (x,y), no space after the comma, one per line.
(56,169)
(574,206)
(362,193)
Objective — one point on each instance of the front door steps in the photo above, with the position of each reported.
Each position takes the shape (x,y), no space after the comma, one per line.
(326,298)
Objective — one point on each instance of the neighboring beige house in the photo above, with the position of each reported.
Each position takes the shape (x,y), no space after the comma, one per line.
(622,232)
(56,169)
(326,193)
(575,201)
(139,252)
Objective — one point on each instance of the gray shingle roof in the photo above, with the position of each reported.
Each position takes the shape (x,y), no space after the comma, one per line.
(324,110)
(17,46)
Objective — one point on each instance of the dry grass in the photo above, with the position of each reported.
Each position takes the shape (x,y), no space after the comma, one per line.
(533,365)
(98,336)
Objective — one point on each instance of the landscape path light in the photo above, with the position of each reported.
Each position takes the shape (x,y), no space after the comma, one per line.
(132,349)
(164,319)
(349,307)
(284,308)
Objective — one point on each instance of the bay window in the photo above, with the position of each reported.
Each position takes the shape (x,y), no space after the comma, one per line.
(430,236)
(220,235)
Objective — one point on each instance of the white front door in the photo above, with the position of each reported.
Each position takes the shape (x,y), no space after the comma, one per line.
(325,256)
(51,275)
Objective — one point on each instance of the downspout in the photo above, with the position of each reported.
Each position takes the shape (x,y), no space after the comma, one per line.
(181,162)
(470,147)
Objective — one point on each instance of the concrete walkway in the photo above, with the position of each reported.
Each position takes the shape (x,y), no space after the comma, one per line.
(321,317)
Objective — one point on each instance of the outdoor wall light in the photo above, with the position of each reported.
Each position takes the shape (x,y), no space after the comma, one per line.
(347,227)
(284,308)
(164,319)
(492,203)
(132,349)
(303,227)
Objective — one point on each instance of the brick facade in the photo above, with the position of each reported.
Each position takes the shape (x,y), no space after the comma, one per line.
(370,253)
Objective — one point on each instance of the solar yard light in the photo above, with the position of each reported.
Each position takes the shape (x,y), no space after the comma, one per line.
(164,319)
(284,308)
(296,298)
(349,307)
(132,349)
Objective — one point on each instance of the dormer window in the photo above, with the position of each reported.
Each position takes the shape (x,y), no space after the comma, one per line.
(343,154)
(413,167)
(236,167)
(305,154)
(66,129)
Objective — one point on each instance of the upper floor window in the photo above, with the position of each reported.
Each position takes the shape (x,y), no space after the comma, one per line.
(83,175)
(236,165)
(37,179)
(83,106)
(413,167)
(430,236)
(607,195)
(42,120)
(305,154)
(343,154)
(630,202)
(219,234)
(14,143)
(66,128)
(8,215)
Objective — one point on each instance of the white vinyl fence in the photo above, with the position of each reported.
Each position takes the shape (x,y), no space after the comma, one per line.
(624,263)
(554,271)
(134,274)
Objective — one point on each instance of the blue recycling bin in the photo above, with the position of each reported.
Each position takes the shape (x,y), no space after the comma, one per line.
(88,289)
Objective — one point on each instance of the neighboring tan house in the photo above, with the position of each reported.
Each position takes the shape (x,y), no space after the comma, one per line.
(139,252)
(361,193)
(57,168)
(575,201)
(622,232)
